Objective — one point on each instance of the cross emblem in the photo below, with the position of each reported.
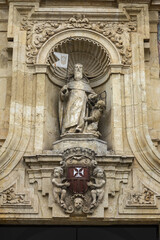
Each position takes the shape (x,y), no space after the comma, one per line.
(78,172)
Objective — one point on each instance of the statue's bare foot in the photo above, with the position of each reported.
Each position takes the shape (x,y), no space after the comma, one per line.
(93,204)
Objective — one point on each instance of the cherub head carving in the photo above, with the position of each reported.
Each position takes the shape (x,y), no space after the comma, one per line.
(98,172)
(57,172)
(78,203)
(100,105)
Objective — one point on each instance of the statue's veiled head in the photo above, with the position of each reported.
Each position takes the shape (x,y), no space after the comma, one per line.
(78,71)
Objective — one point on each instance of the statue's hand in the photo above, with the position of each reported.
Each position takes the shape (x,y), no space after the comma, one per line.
(67,184)
(89,184)
(64,89)
(85,119)
(92,96)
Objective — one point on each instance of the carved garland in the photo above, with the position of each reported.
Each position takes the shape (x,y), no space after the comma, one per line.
(38,33)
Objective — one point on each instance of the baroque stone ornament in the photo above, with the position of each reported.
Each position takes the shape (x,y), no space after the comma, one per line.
(78,185)
(9,197)
(39,32)
(60,186)
(78,180)
(80,107)
(146,197)
(90,53)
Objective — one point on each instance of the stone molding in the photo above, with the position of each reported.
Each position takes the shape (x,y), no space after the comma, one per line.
(39,32)
(137,131)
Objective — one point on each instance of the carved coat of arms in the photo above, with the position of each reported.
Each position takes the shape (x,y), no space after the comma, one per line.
(78,185)
(78,176)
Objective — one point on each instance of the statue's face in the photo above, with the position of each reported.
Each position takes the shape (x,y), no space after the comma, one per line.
(78,71)
(100,173)
(78,203)
(58,172)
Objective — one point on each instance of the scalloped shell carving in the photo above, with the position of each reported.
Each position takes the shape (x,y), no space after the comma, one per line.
(91,54)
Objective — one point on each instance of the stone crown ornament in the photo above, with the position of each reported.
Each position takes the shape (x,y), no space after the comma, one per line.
(77,152)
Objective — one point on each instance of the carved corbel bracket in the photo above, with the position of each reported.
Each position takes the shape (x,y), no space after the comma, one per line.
(117,170)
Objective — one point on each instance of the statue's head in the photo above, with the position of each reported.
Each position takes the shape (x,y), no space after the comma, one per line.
(98,172)
(100,105)
(78,203)
(57,172)
(78,71)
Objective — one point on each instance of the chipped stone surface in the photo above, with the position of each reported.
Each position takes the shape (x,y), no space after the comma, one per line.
(123,37)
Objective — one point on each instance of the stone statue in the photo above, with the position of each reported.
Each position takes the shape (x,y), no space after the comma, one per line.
(59,190)
(97,187)
(80,108)
(95,115)
(73,102)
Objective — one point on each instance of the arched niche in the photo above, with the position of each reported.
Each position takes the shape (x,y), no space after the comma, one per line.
(45,49)
(109,80)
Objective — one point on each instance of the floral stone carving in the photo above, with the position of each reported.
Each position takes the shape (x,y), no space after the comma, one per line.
(10,197)
(39,32)
(78,185)
(140,198)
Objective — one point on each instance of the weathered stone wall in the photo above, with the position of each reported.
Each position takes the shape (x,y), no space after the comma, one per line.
(5,76)
(124,36)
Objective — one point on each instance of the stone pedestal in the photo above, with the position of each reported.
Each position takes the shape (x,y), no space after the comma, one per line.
(80,140)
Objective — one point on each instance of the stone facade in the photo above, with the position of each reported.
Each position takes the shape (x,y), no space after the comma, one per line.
(116,42)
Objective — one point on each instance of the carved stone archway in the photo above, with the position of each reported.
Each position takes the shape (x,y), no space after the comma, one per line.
(94,36)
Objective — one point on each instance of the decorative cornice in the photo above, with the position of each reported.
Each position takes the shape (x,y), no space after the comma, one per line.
(38,32)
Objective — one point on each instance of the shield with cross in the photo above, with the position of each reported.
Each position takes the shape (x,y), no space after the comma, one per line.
(78,177)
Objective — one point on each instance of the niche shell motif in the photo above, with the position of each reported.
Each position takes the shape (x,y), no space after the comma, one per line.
(78,184)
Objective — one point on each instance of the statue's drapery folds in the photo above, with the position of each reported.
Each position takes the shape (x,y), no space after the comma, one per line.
(73,102)
(79,108)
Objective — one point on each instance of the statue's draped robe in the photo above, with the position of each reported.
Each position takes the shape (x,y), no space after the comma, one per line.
(72,108)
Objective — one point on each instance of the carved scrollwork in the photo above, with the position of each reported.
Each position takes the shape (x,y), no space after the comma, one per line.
(146,197)
(10,197)
(39,32)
